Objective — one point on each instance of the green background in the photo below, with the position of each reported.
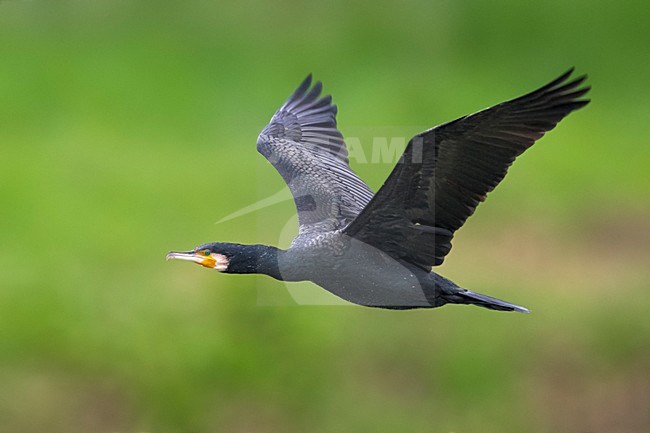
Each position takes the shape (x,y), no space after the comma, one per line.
(128,129)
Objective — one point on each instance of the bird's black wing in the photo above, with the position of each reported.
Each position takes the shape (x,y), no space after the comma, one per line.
(306,148)
(447,171)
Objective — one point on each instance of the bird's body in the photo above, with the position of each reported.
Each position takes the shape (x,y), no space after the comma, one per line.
(378,250)
(359,273)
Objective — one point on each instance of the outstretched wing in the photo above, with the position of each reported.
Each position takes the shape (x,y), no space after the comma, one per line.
(305,147)
(447,171)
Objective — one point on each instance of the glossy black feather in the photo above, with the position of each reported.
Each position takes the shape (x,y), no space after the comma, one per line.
(447,171)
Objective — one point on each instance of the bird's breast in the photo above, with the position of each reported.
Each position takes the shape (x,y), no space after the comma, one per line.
(360,273)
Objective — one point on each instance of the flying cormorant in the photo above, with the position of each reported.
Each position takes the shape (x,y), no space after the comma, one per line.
(378,250)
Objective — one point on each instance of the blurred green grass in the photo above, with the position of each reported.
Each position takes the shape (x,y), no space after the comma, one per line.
(128,129)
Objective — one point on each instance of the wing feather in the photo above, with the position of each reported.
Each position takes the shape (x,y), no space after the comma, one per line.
(447,171)
(307,149)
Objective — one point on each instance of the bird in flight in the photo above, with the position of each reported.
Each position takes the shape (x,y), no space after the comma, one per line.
(378,250)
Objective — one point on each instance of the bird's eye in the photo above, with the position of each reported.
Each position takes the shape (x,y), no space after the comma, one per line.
(206,252)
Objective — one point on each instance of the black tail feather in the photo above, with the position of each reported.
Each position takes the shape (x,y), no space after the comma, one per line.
(469,297)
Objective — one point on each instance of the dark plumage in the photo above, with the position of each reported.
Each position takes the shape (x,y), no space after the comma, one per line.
(378,250)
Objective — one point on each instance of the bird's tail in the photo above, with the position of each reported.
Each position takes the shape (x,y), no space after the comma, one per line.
(464,296)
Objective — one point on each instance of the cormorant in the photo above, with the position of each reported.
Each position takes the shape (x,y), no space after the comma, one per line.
(378,250)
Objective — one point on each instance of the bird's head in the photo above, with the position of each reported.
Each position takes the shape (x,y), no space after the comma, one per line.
(214,256)
(233,258)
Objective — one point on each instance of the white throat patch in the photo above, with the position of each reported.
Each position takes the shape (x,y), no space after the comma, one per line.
(221,262)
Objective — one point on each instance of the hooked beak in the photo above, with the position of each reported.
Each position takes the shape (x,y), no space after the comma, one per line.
(189,255)
(213,261)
